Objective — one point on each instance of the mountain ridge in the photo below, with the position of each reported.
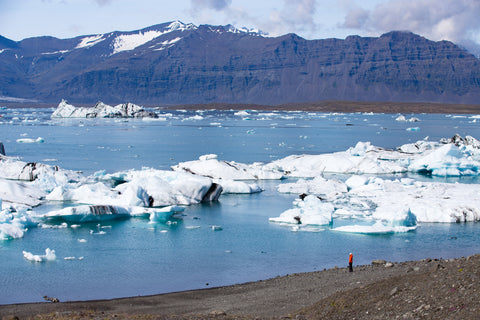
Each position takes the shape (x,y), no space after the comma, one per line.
(178,63)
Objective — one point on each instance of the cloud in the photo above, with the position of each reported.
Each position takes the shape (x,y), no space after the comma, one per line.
(454,20)
(103,2)
(217,5)
(287,16)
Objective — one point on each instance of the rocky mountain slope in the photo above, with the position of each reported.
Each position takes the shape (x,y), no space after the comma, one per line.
(177,63)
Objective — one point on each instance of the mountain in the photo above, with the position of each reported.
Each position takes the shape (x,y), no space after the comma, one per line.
(177,63)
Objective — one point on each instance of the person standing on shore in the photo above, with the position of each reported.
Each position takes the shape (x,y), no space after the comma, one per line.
(350,262)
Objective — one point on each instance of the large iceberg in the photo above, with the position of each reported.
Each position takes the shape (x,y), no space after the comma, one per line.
(210,166)
(101,110)
(364,158)
(455,157)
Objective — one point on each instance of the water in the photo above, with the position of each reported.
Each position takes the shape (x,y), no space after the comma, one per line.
(133,257)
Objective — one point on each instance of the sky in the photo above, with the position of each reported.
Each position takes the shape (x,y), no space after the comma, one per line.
(453,20)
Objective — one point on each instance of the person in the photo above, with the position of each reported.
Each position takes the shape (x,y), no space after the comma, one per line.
(350,262)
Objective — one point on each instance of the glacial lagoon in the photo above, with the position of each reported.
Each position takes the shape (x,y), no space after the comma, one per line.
(129,257)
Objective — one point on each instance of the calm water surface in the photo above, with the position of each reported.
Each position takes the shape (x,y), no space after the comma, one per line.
(133,257)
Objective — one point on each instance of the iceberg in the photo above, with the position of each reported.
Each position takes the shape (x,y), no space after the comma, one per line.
(377,228)
(455,157)
(163,214)
(210,166)
(88,213)
(31,140)
(101,110)
(147,188)
(361,159)
(447,160)
(309,211)
(238,187)
(19,193)
(48,256)
(318,186)
(406,201)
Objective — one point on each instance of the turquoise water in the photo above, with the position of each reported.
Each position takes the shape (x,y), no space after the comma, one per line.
(133,257)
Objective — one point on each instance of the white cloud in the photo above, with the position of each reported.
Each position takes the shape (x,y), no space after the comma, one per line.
(454,20)
(217,5)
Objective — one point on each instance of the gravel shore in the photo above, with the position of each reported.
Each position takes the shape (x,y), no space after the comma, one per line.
(425,289)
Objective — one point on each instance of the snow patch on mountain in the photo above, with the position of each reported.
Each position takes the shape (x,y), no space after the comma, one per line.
(90,41)
(168,43)
(127,42)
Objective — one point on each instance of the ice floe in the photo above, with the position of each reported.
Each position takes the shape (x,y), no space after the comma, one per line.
(455,157)
(48,256)
(309,211)
(210,166)
(101,110)
(382,204)
(376,228)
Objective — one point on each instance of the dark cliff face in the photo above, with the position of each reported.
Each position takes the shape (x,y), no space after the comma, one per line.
(175,63)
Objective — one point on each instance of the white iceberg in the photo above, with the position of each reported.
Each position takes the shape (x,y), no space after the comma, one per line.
(147,187)
(210,166)
(31,140)
(238,187)
(455,157)
(327,188)
(376,228)
(101,110)
(362,159)
(447,160)
(88,213)
(406,200)
(309,211)
(19,193)
(163,214)
(48,256)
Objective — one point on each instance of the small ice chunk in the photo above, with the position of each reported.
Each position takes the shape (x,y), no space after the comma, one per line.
(48,256)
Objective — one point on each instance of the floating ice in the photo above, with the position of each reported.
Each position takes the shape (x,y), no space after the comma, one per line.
(455,157)
(238,187)
(318,186)
(363,158)
(30,140)
(86,213)
(210,166)
(48,256)
(147,187)
(377,228)
(310,211)
(402,118)
(447,160)
(163,214)
(406,201)
(101,110)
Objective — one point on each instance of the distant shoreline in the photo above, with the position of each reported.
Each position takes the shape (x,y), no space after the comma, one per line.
(318,106)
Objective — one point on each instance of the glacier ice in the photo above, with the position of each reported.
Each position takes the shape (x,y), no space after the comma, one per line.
(210,166)
(309,211)
(101,110)
(48,256)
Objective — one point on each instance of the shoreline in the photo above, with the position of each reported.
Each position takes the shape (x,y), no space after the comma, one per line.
(434,288)
(317,106)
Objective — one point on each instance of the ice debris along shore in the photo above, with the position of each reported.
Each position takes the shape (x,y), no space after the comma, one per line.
(102,110)
(379,205)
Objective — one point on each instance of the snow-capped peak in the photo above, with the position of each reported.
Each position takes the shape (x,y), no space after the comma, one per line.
(126,42)
(232,29)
